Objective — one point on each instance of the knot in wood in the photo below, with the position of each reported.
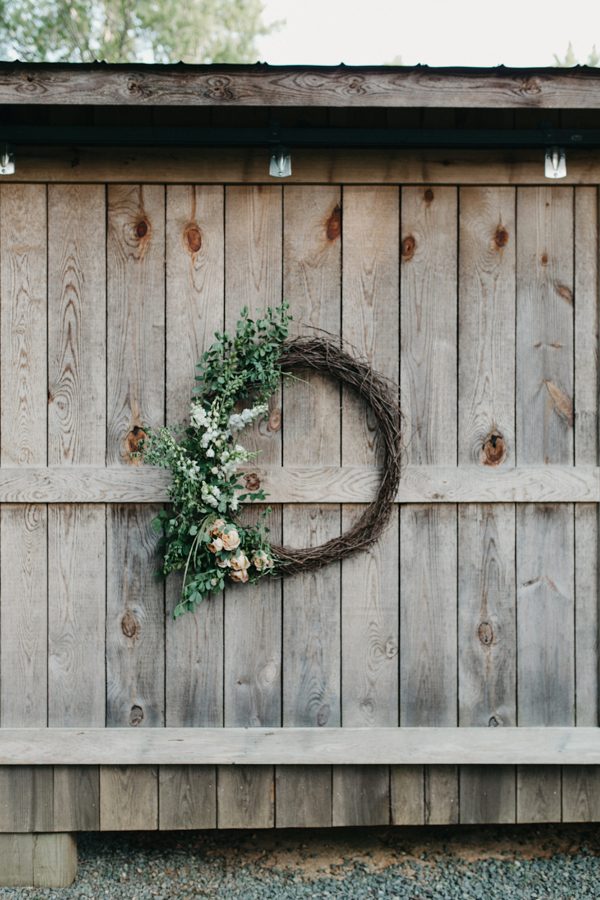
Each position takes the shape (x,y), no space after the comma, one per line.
(274,423)
(408,247)
(333,227)
(193,237)
(134,442)
(500,237)
(428,196)
(485,633)
(136,715)
(493,451)
(252,481)
(219,88)
(130,625)
(141,229)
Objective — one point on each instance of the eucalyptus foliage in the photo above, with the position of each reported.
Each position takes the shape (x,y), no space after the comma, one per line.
(201,534)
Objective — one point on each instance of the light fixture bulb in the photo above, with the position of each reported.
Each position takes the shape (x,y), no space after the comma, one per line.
(7,162)
(555,163)
(280,165)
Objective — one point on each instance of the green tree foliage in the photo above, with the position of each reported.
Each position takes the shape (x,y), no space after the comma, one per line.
(195,31)
(569,59)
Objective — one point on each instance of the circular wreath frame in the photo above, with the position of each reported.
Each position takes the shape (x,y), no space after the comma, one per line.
(322,355)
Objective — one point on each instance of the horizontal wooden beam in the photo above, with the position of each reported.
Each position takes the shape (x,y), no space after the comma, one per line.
(250,166)
(299,746)
(312,484)
(281,86)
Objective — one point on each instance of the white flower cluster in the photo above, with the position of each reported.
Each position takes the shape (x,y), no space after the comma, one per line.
(217,443)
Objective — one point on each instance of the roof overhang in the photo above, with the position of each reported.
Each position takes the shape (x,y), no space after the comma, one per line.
(101,84)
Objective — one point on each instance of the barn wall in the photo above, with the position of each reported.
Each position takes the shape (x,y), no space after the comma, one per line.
(481,301)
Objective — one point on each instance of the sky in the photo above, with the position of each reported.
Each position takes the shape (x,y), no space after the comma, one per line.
(450,33)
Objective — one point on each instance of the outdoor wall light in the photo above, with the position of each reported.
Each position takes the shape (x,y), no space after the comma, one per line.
(280,165)
(555,163)
(7,161)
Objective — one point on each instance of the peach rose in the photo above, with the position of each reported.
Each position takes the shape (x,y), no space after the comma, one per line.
(262,560)
(240,576)
(240,562)
(231,539)
(223,563)
(216,546)
(216,527)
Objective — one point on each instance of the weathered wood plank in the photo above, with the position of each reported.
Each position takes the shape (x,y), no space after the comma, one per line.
(76,325)
(23,531)
(26,796)
(428,574)
(581,786)
(76,436)
(313,484)
(23,319)
(135,619)
(249,166)
(265,747)
(369,647)
(187,797)
(135,598)
(76,615)
(544,397)
(194,649)
(335,86)
(486,534)
(252,666)
(129,795)
(54,860)
(312,238)
(487,651)
(37,860)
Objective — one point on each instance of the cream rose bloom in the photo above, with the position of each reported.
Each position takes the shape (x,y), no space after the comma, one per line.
(216,545)
(216,526)
(241,576)
(231,539)
(223,563)
(262,560)
(239,562)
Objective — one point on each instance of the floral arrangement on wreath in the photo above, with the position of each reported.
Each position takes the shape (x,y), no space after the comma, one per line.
(201,534)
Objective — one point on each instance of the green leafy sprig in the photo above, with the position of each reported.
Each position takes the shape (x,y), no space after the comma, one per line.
(201,534)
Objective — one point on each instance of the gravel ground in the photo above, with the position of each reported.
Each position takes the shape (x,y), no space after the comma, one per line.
(554,862)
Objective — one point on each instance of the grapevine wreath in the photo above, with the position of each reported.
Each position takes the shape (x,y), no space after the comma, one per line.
(202,536)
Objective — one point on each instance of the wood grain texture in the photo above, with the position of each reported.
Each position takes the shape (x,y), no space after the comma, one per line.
(76,615)
(135,616)
(23,531)
(313,484)
(135,635)
(23,321)
(76,325)
(248,166)
(369,648)
(26,796)
(187,797)
(486,535)
(428,562)
(333,86)
(128,798)
(252,665)
(38,860)
(312,236)
(194,648)
(545,551)
(248,748)
(581,785)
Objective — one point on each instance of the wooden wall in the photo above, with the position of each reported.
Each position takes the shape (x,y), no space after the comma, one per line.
(481,302)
